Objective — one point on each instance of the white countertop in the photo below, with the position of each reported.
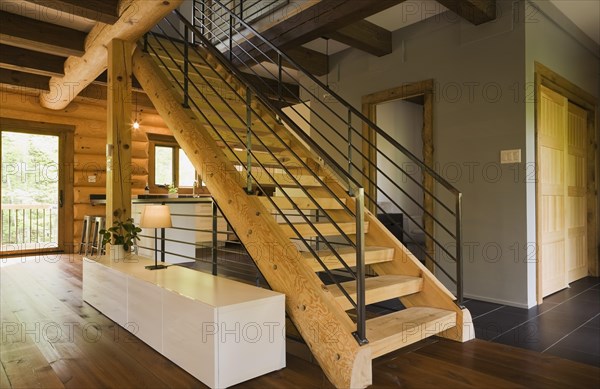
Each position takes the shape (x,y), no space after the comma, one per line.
(195,285)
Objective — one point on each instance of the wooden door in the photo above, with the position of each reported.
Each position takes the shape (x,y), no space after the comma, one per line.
(576,180)
(551,190)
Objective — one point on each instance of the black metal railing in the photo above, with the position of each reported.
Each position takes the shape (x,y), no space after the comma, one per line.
(201,240)
(233,121)
(347,136)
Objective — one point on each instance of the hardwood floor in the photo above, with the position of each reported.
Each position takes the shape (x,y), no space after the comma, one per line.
(51,339)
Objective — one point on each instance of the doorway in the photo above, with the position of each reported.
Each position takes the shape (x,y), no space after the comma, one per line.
(33,188)
(566,189)
(413,98)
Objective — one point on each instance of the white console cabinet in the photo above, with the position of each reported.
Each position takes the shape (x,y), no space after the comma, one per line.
(221,331)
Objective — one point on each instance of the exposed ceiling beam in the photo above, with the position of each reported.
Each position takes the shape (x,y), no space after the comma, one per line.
(311,60)
(269,88)
(136,18)
(365,36)
(322,18)
(475,11)
(22,80)
(16,58)
(40,36)
(313,22)
(104,11)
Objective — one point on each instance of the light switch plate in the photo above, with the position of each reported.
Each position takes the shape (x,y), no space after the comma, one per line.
(510,156)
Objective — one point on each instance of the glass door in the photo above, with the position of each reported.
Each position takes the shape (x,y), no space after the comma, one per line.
(31,193)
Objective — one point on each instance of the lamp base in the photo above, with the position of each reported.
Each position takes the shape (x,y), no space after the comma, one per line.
(155,267)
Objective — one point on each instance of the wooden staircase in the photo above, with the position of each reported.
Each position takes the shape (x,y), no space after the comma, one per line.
(319,311)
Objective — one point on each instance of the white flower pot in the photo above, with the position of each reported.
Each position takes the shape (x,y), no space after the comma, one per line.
(117,252)
(173,195)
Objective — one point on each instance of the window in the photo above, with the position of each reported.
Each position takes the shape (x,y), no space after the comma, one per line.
(169,164)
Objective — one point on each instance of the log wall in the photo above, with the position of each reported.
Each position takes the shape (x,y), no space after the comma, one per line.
(89,154)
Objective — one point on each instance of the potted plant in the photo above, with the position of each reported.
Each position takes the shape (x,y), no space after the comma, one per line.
(121,236)
(172,191)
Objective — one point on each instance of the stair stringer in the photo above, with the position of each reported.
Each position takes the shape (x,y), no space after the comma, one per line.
(434,294)
(323,325)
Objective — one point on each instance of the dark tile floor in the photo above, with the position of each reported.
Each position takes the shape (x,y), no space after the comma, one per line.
(567,324)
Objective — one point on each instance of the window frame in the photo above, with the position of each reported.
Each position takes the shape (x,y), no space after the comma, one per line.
(162,141)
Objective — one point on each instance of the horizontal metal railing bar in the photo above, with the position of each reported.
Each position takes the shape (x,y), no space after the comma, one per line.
(364,119)
(327,123)
(334,165)
(265,124)
(284,167)
(258,138)
(436,220)
(257,183)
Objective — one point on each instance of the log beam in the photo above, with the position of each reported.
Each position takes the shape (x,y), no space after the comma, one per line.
(41,36)
(118,123)
(23,81)
(135,19)
(104,11)
(365,36)
(311,60)
(475,11)
(28,61)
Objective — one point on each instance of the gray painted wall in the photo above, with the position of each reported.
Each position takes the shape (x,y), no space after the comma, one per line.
(554,41)
(483,104)
(476,114)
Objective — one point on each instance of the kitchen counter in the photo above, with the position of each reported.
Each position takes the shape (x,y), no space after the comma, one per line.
(157,198)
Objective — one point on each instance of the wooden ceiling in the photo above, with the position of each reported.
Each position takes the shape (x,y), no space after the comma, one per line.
(35,42)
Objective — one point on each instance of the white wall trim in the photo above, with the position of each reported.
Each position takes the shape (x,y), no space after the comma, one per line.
(498,301)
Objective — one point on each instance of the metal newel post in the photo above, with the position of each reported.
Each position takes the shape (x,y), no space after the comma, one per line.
(214,238)
(459,263)
(361,312)
(230,37)
(145,43)
(248,140)
(280,77)
(350,152)
(186,60)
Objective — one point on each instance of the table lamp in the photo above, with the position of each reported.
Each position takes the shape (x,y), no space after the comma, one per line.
(156,216)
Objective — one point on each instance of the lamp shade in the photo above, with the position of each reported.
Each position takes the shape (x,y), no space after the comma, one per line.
(156,216)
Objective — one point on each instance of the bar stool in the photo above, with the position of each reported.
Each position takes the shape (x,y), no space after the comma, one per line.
(85,234)
(99,224)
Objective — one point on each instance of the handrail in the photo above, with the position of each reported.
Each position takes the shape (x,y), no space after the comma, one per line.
(339,99)
(276,57)
(351,146)
(228,59)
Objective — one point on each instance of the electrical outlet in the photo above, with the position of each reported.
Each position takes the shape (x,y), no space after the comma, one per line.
(510,156)
(91,178)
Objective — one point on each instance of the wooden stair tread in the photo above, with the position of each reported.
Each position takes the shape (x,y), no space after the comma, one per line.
(400,329)
(325,228)
(378,289)
(303,203)
(282,178)
(373,254)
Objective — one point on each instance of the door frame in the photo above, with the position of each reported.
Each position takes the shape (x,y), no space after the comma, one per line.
(544,76)
(65,134)
(406,91)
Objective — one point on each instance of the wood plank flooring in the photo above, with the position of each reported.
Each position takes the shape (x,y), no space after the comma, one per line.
(52,339)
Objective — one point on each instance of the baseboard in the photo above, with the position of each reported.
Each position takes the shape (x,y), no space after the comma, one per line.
(497,301)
